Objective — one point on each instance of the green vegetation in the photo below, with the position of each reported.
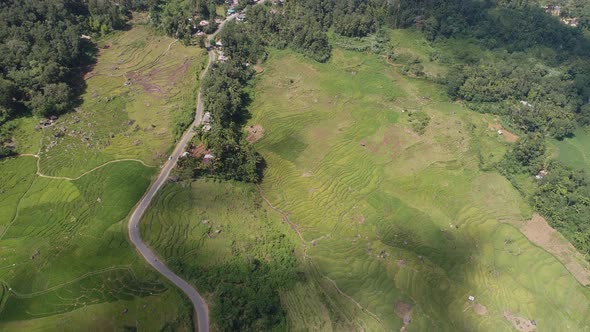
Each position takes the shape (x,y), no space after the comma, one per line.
(412,217)
(219,236)
(66,261)
(140,98)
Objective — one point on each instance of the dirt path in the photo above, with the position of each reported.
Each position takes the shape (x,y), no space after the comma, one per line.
(538,231)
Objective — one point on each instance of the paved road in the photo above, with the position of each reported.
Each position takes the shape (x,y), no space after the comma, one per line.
(199,303)
(201,308)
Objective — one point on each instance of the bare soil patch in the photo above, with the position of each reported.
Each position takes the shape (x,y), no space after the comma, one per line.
(88,75)
(359,218)
(401,263)
(520,323)
(198,151)
(480,309)
(404,311)
(306,174)
(258,69)
(179,72)
(255,133)
(538,231)
(508,136)
(144,81)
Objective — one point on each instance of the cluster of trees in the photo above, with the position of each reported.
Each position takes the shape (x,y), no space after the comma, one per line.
(246,287)
(180,18)
(40,55)
(224,97)
(536,71)
(562,195)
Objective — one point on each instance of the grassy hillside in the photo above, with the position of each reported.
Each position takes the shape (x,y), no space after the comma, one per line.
(66,262)
(575,152)
(379,181)
(139,97)
(389,215)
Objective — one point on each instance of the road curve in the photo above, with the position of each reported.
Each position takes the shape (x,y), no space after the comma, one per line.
(201,308)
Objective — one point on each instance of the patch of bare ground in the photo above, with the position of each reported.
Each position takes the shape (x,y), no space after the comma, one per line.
(306,174)
(520,323)
(538,231)
(480,309)
(255,133)
(144,81)
(89,75)
(198,151)
(258,69)
(508,136)
(404,311)
(359,218)
(179,72)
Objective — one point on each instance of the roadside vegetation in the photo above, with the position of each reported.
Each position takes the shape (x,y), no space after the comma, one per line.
(220,236)
(66,262)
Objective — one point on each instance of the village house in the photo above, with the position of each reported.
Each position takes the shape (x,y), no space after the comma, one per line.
(207,118)
(208,158)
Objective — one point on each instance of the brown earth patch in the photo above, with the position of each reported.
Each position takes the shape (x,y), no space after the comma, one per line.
(538,231)
(508,136)
(401,263)
(258,69)
(255,133)
(179,72)
(143,81)
(89,74)
(306,174)
(198,151)
(359,218)
(403,311)
(519,323)
(480,309)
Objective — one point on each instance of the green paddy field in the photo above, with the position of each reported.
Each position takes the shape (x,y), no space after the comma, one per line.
(394,226)
(66,263)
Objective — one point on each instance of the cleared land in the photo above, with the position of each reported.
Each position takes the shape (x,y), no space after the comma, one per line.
(142,86)
(389,215)
(65,259)
(575,152)
(393,228)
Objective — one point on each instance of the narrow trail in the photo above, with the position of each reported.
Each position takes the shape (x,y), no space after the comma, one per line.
(86,275)
(38,173)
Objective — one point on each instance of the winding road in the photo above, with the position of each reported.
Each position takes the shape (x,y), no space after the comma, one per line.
(201,309)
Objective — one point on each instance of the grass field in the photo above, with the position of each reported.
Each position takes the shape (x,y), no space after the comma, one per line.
(575,152)
(65,261)
(389,224)
(142,86)
(389,215)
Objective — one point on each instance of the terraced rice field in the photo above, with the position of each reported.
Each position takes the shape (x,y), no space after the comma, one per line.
(141,87)
(391,217)
(393,229)
(66,262)
(65,259)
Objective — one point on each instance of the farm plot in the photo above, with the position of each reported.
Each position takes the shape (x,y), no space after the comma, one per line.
(406,225)
(139,98)
(66,262)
